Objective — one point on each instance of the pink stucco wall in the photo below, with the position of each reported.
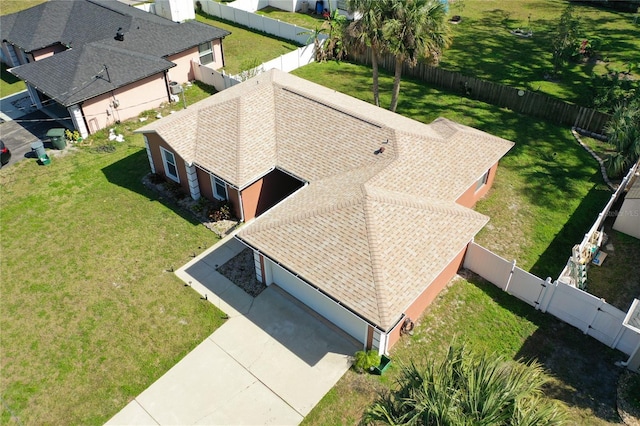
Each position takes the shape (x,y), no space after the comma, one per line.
(182,72)
(37,55)
(471,196)
(134,98)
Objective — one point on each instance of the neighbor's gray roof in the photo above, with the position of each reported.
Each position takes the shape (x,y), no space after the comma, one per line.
(370,230)
(69,84)
(88,27)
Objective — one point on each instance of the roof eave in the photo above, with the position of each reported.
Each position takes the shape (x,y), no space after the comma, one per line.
(116,87)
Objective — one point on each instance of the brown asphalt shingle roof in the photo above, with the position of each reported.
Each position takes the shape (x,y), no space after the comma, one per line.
(371,230)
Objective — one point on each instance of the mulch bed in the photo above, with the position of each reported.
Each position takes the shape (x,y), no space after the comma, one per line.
(241,271)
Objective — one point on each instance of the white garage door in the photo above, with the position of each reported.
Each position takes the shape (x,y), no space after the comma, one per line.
(317,301)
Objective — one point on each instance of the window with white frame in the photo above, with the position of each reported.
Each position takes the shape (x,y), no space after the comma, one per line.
(482,181)
(206,53)
(170,168)
(219,188)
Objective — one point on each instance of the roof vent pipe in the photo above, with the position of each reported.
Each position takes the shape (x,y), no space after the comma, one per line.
(119,35)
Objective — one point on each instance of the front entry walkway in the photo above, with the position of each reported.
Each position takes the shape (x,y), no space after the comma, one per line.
(270,363)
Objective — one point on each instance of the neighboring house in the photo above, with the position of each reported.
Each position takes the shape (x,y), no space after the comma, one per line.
(361,213)
(628,219)
(100,62)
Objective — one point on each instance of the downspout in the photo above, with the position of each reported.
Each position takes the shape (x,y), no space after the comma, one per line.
(241,206)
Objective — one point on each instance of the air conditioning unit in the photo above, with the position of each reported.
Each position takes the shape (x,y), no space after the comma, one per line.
(175,88)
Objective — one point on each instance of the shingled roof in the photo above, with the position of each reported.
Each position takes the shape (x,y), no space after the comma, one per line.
(371,229)
(88,28)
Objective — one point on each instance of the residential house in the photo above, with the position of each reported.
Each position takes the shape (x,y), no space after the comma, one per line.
(99,61)
(362,214)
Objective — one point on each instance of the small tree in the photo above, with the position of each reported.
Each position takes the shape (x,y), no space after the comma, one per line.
(565,39)
(623,131)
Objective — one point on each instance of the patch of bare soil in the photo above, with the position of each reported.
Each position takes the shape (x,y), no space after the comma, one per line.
(618,279)
(629,413)
(241,271)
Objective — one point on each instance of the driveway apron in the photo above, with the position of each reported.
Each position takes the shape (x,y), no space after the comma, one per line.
(270,363)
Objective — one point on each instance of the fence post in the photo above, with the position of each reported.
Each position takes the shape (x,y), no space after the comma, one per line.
(616,340)
(547,296)
(513,267)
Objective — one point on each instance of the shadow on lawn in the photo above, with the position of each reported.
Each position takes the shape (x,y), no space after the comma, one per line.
(129,172)
(553,259)
(583,369)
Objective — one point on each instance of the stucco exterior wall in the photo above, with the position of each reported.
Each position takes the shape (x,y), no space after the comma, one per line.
(155,142)
(250,197)
(37,55)
(470,197)
(263,194)
(204,180)
(182,71)
(628,219)
(429,294)
(132,99)
(218,61)
(234,200)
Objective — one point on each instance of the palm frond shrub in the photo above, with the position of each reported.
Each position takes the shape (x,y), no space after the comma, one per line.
(467,388)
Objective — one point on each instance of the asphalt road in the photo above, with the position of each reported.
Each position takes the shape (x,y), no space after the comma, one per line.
(18,135)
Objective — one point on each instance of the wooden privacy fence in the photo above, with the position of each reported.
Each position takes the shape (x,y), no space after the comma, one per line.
(593,316)
(518,100)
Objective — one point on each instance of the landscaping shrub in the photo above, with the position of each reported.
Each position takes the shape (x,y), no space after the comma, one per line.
(364,361)
(221,210)
(175,189)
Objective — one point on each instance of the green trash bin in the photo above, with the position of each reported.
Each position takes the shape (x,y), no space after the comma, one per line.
(58,139)
(38,149)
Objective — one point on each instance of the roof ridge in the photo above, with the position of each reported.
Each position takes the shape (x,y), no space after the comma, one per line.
(240,142)
(101,45)
(382,195)
(306,214)
(375,256)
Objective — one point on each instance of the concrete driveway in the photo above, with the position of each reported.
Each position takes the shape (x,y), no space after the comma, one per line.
(270,363)
(22,124)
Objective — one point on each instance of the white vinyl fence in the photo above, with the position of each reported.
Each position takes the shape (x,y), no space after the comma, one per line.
(593,238)
(212,77)
(288,62)
(264,24)
(582,310)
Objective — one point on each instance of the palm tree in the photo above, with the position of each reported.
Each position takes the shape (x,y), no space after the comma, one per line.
(416,30)
(314,35)
(366,31)
(336,45)
(623,131)
(464,389)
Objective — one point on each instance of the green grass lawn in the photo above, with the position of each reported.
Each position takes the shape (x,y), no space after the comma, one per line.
(304,20)
(237,55)
(12,6)
(547,193)
(9,84)
(484,47)
(89,315)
